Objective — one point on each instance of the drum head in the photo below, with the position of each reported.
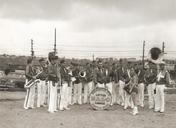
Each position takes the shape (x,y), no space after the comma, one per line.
(100,99)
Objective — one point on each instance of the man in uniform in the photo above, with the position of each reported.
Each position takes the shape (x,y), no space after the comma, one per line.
(65,81)
(128,78)
(163,78)
(41,86)
(77,86)
(108,79)
(100,75)
(30,74)
(53,78)
(141,86)
(123,77)
(134,90)
(88,85)
(114,79)
(150,80)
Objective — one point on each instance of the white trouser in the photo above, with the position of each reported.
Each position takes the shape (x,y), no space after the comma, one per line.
(52,97)
(128,102)
(100,85)
(88,87)
(41,90)
(109,87)
(77,93)
(114,92)
(151,95)
(48,93)
(70,93)
(30,97)
(160,100)
(121,96)
(64,96)
(141,88)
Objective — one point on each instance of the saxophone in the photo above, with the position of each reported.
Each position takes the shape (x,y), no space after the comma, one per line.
(32,82)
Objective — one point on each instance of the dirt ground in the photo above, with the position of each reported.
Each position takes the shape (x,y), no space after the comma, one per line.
(12,115)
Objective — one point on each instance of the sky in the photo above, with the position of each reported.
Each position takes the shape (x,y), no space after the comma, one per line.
(105,28)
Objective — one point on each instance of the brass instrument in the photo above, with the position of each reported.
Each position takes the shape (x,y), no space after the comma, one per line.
(32,82)
(82,73)
(156,55)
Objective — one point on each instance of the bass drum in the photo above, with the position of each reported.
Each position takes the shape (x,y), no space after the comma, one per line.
(100,99)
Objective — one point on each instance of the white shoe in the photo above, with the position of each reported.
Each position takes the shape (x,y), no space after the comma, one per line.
(67,108)
(125,107)
(122,104)
(135,111)
(26,108)
(151,107)
(142,105)
(50,112)
(156,110)
(161,111)
(61,109)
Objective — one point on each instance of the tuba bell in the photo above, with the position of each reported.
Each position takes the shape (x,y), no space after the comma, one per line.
(82,73)
(155,55)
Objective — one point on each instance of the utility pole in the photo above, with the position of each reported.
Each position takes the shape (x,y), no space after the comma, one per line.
(55,50)
(163,47)
(32,50)
(143,54)
(93,57)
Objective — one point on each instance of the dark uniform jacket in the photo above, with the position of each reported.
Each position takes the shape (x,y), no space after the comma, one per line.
(89,75)
(123,75)
(108,75)
(141,74)
(150,76)
(43,73)
(114,75)
(53,73)
(75,74)
(65,77)
(103,76)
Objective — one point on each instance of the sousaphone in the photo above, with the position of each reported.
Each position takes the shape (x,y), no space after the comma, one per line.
(156,55)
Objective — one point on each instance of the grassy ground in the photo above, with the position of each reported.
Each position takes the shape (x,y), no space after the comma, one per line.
(12,115)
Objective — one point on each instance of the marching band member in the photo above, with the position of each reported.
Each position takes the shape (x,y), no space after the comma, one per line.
(150,80)
(100,75)
(134,90)
(41,86)
(128,98)
(163,78)
(114,79)
(30,74)
(65,80)
(70,86)
(53,78)
(77,85)
(108,79)
(88,85)
(141,86)
(123,78)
